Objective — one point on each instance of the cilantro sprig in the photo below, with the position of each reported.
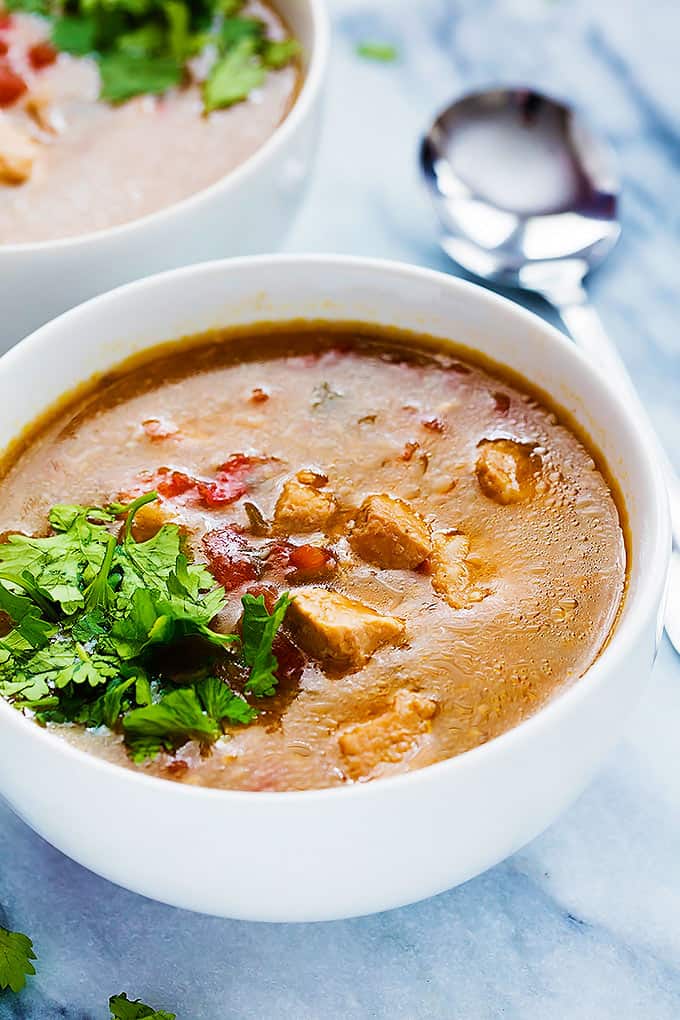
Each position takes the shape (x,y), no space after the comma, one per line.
(91,613)
(16,954)
(145,46)
(122,1008)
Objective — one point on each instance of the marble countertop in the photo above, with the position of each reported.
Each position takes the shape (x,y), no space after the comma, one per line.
(585,922)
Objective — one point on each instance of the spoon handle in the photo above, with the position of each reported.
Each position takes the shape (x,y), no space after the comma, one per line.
(588,333)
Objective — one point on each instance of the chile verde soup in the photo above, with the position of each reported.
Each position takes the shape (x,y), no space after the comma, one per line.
(298,558)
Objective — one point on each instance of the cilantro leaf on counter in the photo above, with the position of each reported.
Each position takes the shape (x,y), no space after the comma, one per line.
(16,953)
(92,612)
(259,630)
(383,52)
(122,1008)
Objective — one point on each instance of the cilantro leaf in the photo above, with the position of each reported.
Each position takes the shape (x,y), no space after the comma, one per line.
(233,30)
(234,76)
(146,41)
(16,953)
(277,53)
(75,34)
(123,1008)
(88,656)
(125,75)
(167,724)
(259,630)
(383,52)
(222,704)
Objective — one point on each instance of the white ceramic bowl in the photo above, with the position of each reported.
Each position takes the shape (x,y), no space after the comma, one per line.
(246,212)
(349,850)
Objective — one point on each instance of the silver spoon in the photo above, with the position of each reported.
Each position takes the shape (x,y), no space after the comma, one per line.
(527,197)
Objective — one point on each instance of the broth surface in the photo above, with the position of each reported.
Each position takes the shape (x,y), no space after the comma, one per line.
(100,165)
(512,600)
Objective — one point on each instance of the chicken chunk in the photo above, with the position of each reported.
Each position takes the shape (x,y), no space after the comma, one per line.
(387,737)
(506,470)
(17,153)
(388,533)
(302,508)
(450,572)
(338,630)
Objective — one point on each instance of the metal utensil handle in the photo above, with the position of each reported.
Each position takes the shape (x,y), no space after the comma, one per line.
(588,333)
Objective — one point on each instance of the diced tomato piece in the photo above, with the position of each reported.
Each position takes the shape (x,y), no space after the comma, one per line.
(268,592)
(174,483)
(291,661)
(434,425)
(502,402)
(4,47)
(300,562)
(310,558)
(231,560)
(258,396)
(223,491)
(41,55)
(12,85)
(159,428)
(229,484)
(239,463)
(5,20)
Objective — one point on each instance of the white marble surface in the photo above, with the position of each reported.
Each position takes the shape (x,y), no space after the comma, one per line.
(585,922)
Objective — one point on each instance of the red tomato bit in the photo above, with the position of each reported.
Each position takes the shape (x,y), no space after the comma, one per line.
(502,402)
(291,661)
(173,483)
(41,55)
(4,47)
(231,560)
(434,425)
(12,85)
(258,396)
(5,20)
(300,562)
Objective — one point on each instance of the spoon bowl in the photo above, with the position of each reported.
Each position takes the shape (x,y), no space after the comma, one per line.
(520,183)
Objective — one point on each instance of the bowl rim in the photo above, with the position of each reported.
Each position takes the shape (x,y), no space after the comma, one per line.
(301,108)
(641,599)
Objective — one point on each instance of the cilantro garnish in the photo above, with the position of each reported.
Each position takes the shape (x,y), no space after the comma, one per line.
(123,1008)
(92,608)
(259,628)
(16,953)
(144,46)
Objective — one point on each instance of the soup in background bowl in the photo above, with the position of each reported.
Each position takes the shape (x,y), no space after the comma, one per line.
(92,141)
(124,161)
(420,560)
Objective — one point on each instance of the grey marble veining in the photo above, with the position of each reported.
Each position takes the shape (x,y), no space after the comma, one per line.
(585,922)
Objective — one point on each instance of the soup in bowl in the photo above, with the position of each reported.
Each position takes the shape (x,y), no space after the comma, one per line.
(364,542)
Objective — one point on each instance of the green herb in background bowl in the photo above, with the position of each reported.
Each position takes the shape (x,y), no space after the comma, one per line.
(146,47)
